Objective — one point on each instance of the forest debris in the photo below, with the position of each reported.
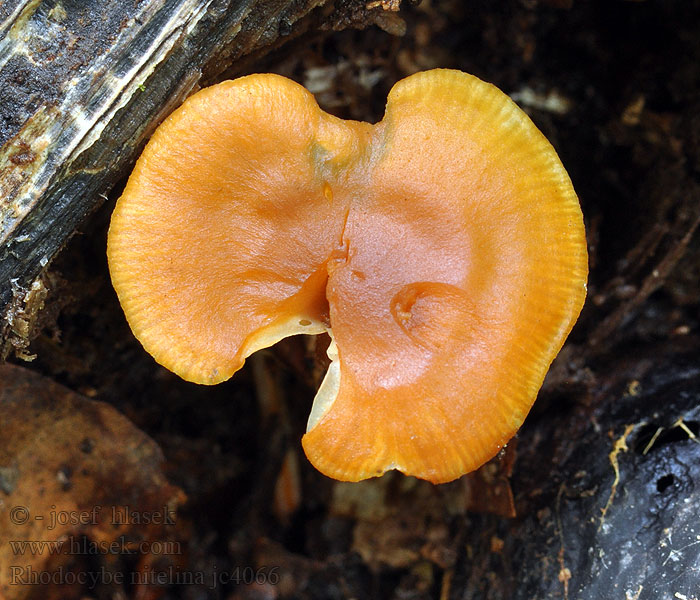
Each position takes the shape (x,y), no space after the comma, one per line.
(619,446)
(391,5)
(652,441)
(633,595)
(400,520)
(552,101)
(390,22)
(634,387)
(21,318)
(680,423)
(287,498)
(603,333)
(487,490)
(83,497)
(633,111)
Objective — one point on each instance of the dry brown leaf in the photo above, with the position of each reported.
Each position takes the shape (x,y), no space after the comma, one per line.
(78,482)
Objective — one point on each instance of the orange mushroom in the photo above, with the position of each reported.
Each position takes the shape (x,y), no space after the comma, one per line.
(442,248)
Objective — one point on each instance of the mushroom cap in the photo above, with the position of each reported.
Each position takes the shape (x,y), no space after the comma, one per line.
(443,248)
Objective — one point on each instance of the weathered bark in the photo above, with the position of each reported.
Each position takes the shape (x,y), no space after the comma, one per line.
(83,83)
